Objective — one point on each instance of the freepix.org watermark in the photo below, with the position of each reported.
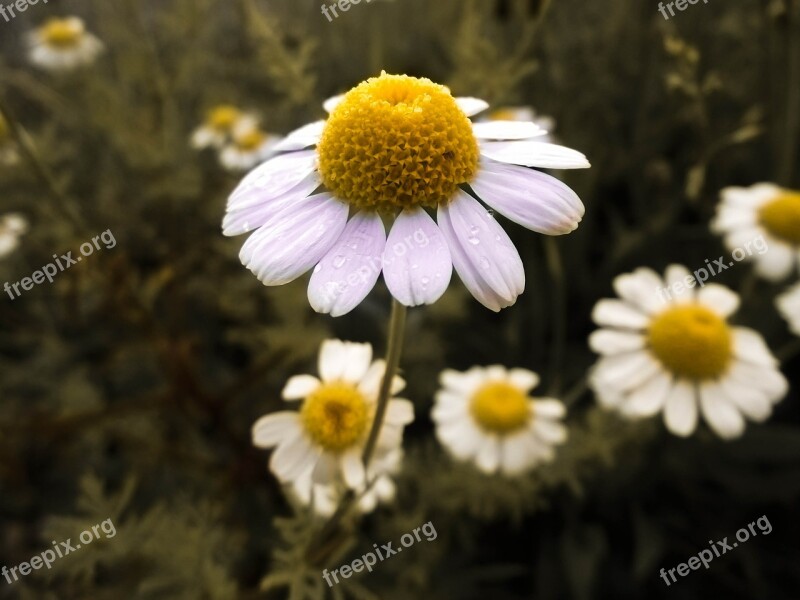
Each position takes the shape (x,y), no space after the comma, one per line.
(50,270)
(704,557)
(341,5)
(59,550)
(370,559)
(712,269)
(14,8)
(681,5)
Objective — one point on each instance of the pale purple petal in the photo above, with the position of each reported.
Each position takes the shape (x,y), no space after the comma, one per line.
(507,130)
(243,220)
(305,136)
(331,103)
(535,154)
(349,270)
(472,106)
(483,255)
(294,240)
(416,262)
(275,177)
(533,199)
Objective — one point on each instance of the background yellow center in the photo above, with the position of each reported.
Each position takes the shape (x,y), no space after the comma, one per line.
(62,32)
(223,117)
(500,407)
(396,142)
(781,217)
(335,416)
(691,341)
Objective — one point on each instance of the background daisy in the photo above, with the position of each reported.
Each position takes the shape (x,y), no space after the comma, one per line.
(788,305)
(63,45)
(12,227)
(486,415)
(677,353)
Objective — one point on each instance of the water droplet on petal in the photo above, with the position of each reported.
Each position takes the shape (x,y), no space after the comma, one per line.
(317,268)
(484,262)
(338,261)
(474,240)
(474,230)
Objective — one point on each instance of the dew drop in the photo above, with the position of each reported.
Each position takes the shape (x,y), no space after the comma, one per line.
(339,260)
(474,230)
(484,262)
(474,240)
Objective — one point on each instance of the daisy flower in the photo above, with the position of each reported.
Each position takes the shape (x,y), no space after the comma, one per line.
(524,113)
(678,352)
(789,306)
(217,128)
(248,146)
(398,147)
(762,211)
(8,150)
(328,434)
(487,416)
(324,498)
(63,45)
(12,227)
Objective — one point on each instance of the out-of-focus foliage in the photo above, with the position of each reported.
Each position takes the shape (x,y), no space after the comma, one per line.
(129,385)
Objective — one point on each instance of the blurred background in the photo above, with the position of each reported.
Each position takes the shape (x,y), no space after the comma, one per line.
(129,384)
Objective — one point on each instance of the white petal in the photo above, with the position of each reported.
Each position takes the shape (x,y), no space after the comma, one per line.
(614,313)
(535,154)
(465,383)
(523,379)
(345,361)
(299,387)
(680,409)
(533,199)
(273,178)
(649,398)
(331,103)
(769,380)
(749,346)
(272,429)
(621,372)
(348,272)
(719,412)
(610,341)
(483,255)
(680,283)
(718,298)
(352,469)
(371,382)
(548,408)
(507,130)
(516,455)
(292,457)
(295,240)
(462,438)
(550,432)
(488,457)
(416,262)
(777,263)
(642,289)
(472,106)
(305,136)
(753,403)
(400,412)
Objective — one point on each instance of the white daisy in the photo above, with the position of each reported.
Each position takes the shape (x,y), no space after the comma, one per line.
(12,227)
(248,146)
(327,435)
(485,415)
(324,498)
(677,354)
(789,306)
(762,213)
(399,146)
(63,45)
(217,128)
(525,113)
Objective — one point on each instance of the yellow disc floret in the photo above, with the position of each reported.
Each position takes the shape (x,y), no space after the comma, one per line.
(250,140)
(691,341)
(781,217)
(336,416)
(500,407)
(62,33)
(397,142)
(223,117)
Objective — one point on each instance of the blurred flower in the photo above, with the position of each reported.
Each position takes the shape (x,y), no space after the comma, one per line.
(8,150)
(525,113)
(63,45)
(765,210)
(325,498)
(326,437)
(249,146)
(789,306)
(218,127)
(396,146)
(671,355)
(12,227)
(485,415)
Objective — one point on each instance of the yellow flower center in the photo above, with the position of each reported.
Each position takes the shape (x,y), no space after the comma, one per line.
(222,118)
(691,341)
(62,32)
(250,140)
(500,407)
(503,114)
(781,217)
(396,142)
(336,416)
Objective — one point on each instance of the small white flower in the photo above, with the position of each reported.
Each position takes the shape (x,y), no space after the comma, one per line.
(218,126)
(248,147)
(677,353)
(485,415)
(325,498)
(789,306)
(63,45)
(767,217)
(326,437)
(12,227)
(525,114)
